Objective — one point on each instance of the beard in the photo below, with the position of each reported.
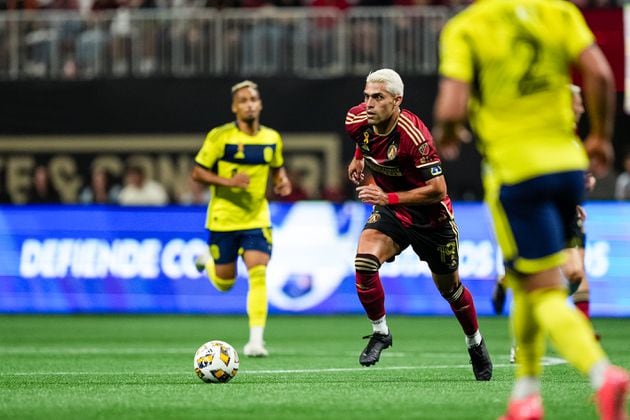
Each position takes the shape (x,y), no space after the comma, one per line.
(249,119)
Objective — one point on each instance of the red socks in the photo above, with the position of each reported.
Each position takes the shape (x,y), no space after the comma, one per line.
(464,309)
(369,286)
(583,307)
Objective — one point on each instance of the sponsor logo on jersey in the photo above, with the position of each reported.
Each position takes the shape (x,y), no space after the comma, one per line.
(385,170)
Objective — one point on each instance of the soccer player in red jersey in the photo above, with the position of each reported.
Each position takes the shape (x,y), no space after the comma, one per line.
(411,208)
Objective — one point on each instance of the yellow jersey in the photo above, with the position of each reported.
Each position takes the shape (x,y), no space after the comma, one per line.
(516,56)
(227,151)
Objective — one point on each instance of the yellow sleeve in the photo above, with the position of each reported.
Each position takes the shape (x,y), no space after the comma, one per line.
(278,159)
(210,151)
(456,60)
(579,35)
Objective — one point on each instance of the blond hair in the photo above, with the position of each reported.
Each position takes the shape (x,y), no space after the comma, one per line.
(244,84)
(392,81)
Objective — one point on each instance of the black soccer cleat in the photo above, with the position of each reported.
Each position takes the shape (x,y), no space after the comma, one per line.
(480,360)
(372,352)
(498,298)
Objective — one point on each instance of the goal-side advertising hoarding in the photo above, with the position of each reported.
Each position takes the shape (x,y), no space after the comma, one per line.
(95,259)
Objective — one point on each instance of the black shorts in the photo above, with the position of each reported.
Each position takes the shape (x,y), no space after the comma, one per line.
(437,246)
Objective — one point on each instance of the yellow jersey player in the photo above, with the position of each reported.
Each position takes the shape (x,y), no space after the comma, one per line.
(573,268)
(505,65)
(236,160)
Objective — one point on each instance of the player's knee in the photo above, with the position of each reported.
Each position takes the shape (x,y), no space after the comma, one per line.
(222,285)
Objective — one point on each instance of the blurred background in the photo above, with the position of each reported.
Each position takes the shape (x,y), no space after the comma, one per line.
(96,95)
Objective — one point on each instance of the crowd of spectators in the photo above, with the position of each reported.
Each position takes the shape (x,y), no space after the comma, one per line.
(92,45)
(135,187)
(85,6)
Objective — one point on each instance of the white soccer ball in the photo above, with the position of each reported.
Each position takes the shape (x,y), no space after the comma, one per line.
(216,362)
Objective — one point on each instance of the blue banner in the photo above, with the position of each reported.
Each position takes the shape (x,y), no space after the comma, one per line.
(81,259)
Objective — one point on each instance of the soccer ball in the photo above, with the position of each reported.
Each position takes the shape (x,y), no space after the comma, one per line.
(216,362)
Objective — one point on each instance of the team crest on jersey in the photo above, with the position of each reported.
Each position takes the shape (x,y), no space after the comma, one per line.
(374,217)
(423,149)
(392,151)
(240,151)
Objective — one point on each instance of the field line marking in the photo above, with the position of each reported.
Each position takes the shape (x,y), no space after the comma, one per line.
(547,361)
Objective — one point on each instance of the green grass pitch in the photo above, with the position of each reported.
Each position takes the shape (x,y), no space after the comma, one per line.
(140,367)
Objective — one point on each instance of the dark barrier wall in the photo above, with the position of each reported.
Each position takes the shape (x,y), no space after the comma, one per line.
(184,105)
(195,105)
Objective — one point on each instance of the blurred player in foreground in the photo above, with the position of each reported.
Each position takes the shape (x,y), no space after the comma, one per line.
(506,65)
(235,161)
(573,269)
(411,207)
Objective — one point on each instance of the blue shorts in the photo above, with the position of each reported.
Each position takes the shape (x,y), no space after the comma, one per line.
(534,220)
(225,247)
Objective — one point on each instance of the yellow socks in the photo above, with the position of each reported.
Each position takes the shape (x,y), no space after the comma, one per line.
(257,296)
(571,334)
(546,312)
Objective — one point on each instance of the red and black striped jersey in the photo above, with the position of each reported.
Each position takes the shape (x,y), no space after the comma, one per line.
(401,160)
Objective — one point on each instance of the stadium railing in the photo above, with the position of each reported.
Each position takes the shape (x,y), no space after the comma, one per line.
(304,42)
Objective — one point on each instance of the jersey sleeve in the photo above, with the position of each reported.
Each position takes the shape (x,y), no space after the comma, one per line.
(210,151)
(426,157)
(579,35)
(419,145)
(455,53)
(278,158)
